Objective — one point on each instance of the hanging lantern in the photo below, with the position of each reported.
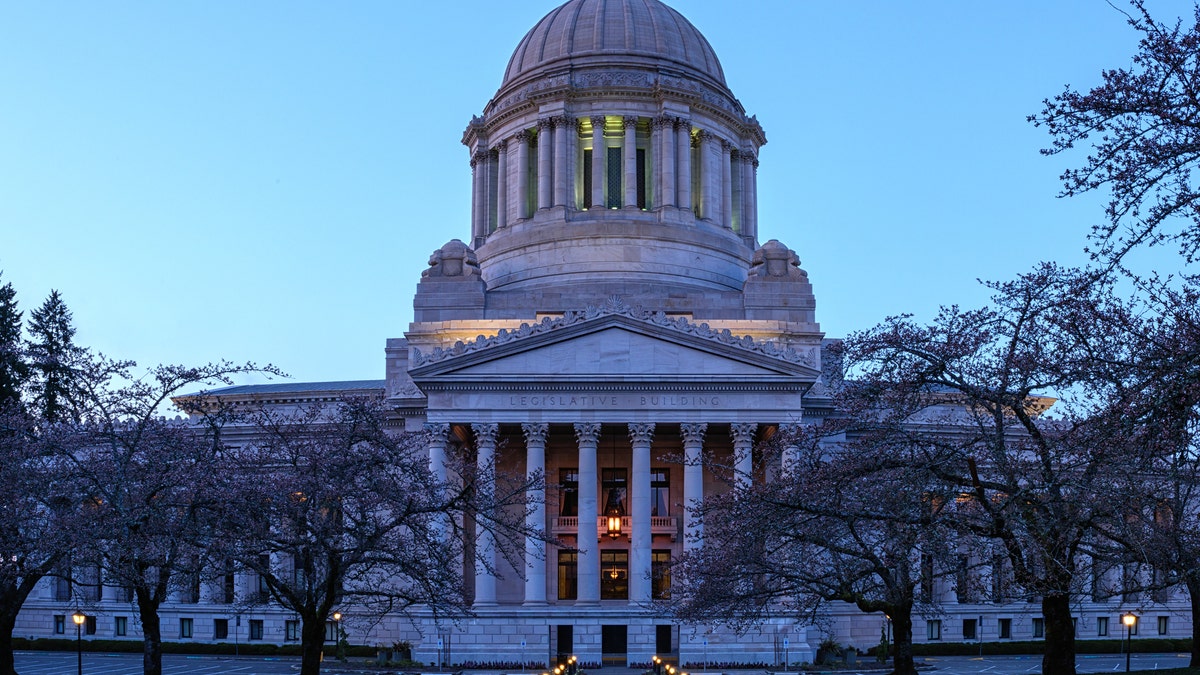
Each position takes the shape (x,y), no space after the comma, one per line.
(614,526)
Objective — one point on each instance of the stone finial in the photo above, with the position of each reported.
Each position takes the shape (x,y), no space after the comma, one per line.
(773,259)
(455,259)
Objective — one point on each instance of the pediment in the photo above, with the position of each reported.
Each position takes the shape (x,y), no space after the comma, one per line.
(614,347)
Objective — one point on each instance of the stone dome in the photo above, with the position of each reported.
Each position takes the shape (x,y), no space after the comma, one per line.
(583,33)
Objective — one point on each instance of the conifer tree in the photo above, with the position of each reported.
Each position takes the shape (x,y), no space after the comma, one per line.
(13,370)
(52,355)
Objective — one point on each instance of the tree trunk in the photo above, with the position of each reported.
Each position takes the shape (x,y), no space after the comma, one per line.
(151,634)
(8,621)
(1193,586)
(312,645)
(902,661)
(1059,655)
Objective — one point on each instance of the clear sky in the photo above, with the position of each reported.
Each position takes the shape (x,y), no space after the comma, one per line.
(265,180)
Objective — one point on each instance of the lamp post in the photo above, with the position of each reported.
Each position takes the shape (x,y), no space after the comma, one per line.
(79,617)
(337,636)
(1129,620)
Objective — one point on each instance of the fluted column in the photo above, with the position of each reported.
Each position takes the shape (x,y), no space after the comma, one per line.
(485,539)
(709,176)
(562,124)
(743,452)
(664,162)
(521,197)
(683,164)
(535,518)
(752,200)
(641,538)
(693,481)
(477,198)
(588,566)
(629,159)
(598,162)
(501,185)
(545,161)
(791,452)
(726,185)
(437,436)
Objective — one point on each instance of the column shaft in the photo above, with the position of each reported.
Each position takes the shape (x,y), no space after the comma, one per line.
(502,185)
(710,175)
(598,162)
(588,566)
(629,157)
(535,519)
(683,168)
(641,539)
(561,127)
(726,184)
(476,196)
(743,455)
(485,541)
(752,200)
(693,482)
(791,452)
(522,195)
(545,141)
(664,163)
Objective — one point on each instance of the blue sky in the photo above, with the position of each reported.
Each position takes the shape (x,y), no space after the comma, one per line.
(265,180)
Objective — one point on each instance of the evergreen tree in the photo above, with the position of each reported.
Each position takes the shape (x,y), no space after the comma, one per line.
(52,356)
(13,370)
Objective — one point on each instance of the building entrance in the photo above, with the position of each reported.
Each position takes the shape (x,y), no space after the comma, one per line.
(614,645)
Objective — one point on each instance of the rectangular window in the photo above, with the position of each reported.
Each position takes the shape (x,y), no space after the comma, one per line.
(587,178)
(264,590)
(60,624)
(256,629)
(185,628)
(615,175)
(1102,626)
(614,575)
(90,585)
(227,584)
(962,580)
(1005,628)
(220,629)
(568,492)
(89,625)
(62,589)
(933,628)
(1162,625)
(641,178)
(1039,627)
(969,632)
(291,630)
(926,578)
(120,626)
(660,572)
(614,483)
(660,492)
(568,584)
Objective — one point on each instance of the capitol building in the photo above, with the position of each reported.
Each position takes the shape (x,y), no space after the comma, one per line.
(608,317)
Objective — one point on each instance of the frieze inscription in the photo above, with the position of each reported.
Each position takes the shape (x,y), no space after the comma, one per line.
(595,401)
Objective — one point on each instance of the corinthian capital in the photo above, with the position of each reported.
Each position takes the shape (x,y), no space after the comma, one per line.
(743,432)
(535,432)
(693,432)
(587,432)
(641,433)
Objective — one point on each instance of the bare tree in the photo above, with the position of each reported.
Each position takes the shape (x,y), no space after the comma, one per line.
(1143,126)
(333,511)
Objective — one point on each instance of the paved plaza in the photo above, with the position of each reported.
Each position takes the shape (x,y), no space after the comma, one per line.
(64,663)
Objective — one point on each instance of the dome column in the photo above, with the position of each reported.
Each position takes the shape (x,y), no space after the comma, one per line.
(521,197)
(502,185)
(562,124)
(726,159)
(663,132)
(479,165)
(598,153)
(683,164)
(545,161)
(751,198)
(630,159)
(710,172)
